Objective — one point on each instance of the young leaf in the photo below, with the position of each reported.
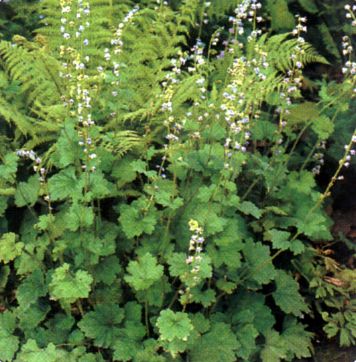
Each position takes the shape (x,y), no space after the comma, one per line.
(9,248)
(68,287)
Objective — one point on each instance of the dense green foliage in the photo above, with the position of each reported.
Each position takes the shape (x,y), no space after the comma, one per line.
(158,195)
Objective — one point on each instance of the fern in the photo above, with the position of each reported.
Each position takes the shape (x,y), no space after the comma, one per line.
(281,17)
(9,113)
(219,8)
(36,71)
(280,49)
(104,17)
(121,142)
(149,46)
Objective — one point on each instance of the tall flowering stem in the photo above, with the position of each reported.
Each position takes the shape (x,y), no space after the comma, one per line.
(194,260)
(78,100)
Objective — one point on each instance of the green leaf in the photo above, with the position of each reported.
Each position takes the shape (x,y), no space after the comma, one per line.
(64,185)
(249,208)
(67,149)
(4,276)
(9,343)
(106,270)
(206,297)
(282,18)
(302,182)
(177,264)
(302,113)
(123,171)
(274,349)
(174,329)
(287,295)
(297,339)
(226,254)
(155,294)
(246,336)
(56,330)
(279,238)
(200,323)
(316,226)
(79,216)
(32,288)
(136,220)
(45,221)
(218,345)
(309,6)
(102,324)
(68,287)
(254,302)
(27,192)
(173,325)
(144,272)
(125,349)
(165,193)
(9,248)
(30,352)
(31,315)
(9,168)
(149,353)
(98,186)
(259,259)
(332,47)
(323,127)
(294,341)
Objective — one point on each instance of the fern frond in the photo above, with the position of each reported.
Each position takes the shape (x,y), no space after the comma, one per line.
(36,71)
(121,142)
(280,50)
(219,8)
(12,115)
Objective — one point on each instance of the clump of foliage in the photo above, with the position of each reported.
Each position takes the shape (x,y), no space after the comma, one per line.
(155,204)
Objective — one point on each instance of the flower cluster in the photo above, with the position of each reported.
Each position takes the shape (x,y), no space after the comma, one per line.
(232,106)
(350,14)
(319,158)
(293,80)
(193,260)
(174,126)
(349,67)
(117,43)
(39,169)
(79,99)
(350,150)
(195,247)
